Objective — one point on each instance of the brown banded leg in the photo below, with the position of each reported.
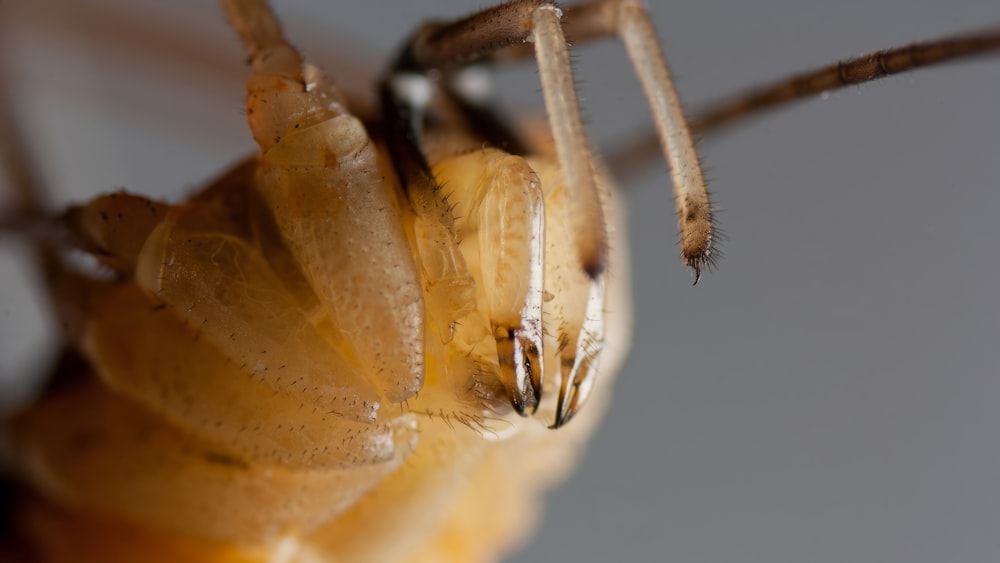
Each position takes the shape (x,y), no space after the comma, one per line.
(639,153)
(858,70)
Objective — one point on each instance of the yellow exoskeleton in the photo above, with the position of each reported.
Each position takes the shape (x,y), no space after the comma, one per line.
(471,534)
(323,355)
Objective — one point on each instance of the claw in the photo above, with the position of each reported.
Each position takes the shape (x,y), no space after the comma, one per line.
(580,374)
(520,367)
(579,364)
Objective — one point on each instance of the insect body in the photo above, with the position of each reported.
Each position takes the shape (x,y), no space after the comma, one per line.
(428,497)
(323,348)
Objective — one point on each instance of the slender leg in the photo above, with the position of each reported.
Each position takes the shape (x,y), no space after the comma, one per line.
(846,73)
(642,151)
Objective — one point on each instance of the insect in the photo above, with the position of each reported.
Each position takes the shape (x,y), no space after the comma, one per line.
(651,413)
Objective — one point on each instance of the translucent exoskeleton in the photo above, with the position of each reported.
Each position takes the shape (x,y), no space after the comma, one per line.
(659,411)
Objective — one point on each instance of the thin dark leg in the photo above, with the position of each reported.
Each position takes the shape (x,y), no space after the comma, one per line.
(636,155)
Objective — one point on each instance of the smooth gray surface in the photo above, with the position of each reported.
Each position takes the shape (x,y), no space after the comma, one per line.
(828,395)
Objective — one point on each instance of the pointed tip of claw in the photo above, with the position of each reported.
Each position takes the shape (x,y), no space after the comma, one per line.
(563,418)
(524,400)
(700,263)
(521,368)
(566,407)
(519,403)
(538,397)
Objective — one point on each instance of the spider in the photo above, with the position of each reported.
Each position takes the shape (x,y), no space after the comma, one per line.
(729,207)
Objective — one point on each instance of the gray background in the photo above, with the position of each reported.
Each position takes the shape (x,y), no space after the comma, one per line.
(828,395)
